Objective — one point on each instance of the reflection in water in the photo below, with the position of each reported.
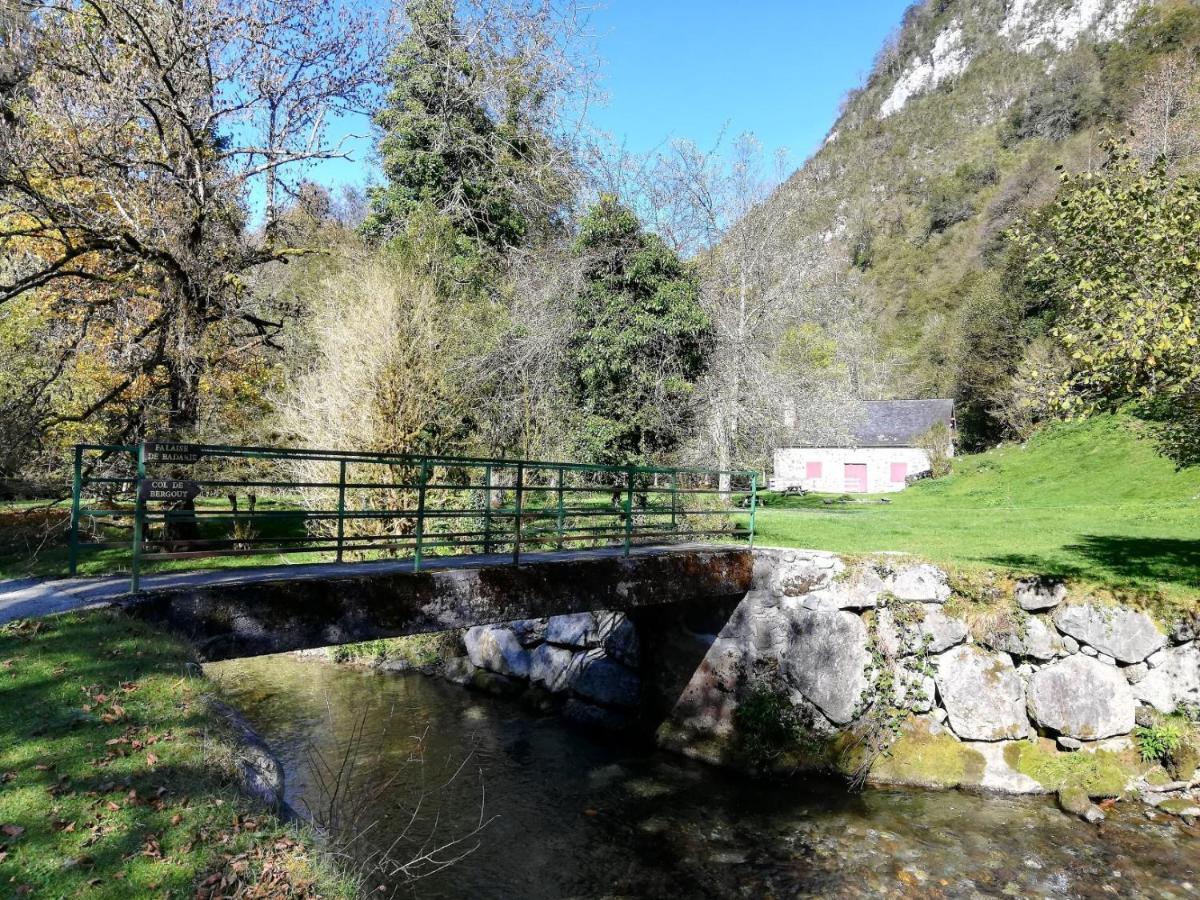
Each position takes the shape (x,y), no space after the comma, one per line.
(580,817)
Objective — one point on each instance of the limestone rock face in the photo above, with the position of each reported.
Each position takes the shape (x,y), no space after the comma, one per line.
(982,693)
(550,667)
(1124,634)
(1030,637)
(827,659)
(497,649)
(572,630)
(602,680)
(1174,682)
(922,583)
(1082,698)
(1036,594)
(936,631)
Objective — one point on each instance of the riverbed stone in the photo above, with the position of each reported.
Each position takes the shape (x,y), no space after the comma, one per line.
(550,667)
(572,630)
(1174,682)
(935,631)
(1037,594)
(606,681)
(1024,636)
(982,693)
(1124,634)
(827,659)
(1081,698)
(920,583)
(497,649)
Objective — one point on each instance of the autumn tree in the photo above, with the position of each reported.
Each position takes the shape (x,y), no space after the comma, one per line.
(639,340)
(126,167)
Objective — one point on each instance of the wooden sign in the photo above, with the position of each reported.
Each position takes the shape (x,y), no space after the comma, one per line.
(167,490)
(177,454)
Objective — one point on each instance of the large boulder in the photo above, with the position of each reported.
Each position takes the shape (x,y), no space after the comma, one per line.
(1037,594)
(530,632)
(795,573)
(912,690)
(619,638)
(604,681)
(1025,636)
(1081,697)
(1174,682)
(497,649)
(925,626)
(861,590)
(551,667)
(921,583)
(982,693)
(827,659)
(1124,634)
(573,630)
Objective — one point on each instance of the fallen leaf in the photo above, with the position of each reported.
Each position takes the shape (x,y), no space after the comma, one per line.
(151,759)
(176,819)
(12,830)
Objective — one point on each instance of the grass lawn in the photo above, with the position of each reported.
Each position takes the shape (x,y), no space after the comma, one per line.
(114,775)
(1090,500)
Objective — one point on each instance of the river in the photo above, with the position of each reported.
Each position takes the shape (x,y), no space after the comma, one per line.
(567,814)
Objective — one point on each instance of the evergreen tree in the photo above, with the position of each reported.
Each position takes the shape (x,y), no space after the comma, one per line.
(639,343)
(466,158)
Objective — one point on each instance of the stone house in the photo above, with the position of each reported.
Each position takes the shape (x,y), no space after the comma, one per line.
(881,451)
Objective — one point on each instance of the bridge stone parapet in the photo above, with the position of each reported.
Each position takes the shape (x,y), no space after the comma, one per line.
(348,604)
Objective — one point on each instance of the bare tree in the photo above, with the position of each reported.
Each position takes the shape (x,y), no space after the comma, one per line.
(127,167)
(1166,121)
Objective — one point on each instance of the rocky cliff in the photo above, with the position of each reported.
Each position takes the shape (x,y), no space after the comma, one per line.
(969,115)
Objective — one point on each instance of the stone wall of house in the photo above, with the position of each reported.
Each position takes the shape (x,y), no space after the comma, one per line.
(880,670)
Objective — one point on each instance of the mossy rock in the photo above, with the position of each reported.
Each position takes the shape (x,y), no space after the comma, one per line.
(1180,806)
(1099,774)
(1074,800)
(923,759)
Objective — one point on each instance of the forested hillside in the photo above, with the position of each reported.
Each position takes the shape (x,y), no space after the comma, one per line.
(966,124)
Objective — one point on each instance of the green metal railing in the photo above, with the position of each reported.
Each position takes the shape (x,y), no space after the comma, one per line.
(371,505)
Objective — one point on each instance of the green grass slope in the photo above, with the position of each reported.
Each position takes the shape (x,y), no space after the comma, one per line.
(1091,501)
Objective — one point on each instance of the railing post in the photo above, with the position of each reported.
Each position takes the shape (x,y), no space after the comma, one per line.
(487,509)
(561,510)
(420,514)
(341,534)
(674,496)
(753,505)
(629,511)
(76,490)
(517,525)
(139,506)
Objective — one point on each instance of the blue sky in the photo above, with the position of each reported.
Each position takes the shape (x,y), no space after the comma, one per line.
(677,69)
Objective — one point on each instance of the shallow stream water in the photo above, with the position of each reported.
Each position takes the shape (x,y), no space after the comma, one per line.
(571,815)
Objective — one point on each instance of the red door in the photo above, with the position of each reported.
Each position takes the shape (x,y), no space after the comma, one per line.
(899,472)
(856,478)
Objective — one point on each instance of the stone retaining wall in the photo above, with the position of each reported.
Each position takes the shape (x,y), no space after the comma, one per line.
(894,677)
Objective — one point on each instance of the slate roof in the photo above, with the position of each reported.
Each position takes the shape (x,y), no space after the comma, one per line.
(887,423)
